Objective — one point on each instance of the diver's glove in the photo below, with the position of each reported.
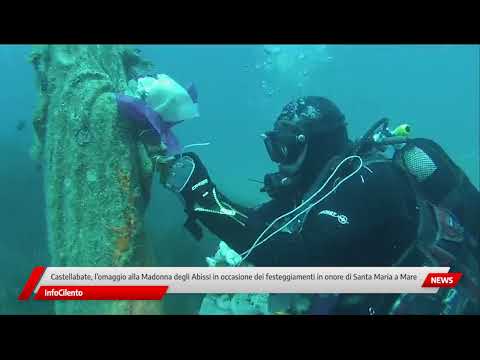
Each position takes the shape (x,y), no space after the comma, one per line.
(189,177)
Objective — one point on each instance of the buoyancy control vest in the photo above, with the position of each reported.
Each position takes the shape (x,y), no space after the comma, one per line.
(447,233)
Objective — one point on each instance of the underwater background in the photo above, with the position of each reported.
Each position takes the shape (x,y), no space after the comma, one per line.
(242,88)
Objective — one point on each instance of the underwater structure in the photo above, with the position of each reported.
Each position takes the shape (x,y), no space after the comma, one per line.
(96,175)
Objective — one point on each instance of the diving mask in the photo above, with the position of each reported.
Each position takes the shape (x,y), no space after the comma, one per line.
(284,146)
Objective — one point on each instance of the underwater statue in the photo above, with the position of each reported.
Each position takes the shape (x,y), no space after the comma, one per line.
(94,104)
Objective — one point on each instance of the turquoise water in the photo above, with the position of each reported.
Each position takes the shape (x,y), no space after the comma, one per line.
(242,89)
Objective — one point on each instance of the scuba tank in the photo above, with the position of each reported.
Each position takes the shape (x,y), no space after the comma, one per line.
(441,181)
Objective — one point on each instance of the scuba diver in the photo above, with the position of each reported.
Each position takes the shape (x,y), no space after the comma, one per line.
(338,202)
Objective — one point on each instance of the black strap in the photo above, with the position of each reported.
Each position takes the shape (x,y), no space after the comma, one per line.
(193,227)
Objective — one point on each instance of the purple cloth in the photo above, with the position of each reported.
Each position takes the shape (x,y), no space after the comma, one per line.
(139,111)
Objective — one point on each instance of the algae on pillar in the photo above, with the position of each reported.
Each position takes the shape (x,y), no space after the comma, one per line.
(97,176)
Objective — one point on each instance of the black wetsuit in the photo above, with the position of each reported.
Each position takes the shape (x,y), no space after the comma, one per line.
(381,220)
(370,220)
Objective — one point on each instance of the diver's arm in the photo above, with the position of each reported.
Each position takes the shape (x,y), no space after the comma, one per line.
(241,231)
(229,221)
(235,224)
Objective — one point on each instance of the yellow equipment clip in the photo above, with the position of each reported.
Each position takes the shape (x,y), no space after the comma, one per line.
(402,130)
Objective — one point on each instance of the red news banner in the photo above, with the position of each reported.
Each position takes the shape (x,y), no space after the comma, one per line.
(439,280)
(152,283)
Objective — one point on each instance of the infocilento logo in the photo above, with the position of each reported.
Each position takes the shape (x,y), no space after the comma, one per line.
(85,292)
(152,283)
(64,292)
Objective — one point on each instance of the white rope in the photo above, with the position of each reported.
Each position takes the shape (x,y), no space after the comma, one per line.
(198,144)
(257,242)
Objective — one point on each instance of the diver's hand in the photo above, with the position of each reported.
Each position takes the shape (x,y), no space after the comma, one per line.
(189,177)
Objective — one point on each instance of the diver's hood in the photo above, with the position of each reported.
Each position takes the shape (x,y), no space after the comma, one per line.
(169,99)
